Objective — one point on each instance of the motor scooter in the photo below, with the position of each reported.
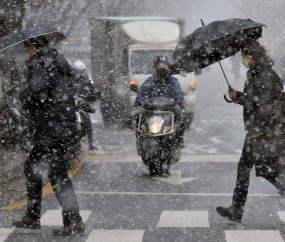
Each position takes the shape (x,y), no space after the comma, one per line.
(156,136)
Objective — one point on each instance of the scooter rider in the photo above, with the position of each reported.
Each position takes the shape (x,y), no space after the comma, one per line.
(85,95)
(162,84)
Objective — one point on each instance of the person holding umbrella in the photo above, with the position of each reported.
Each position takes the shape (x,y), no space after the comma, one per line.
(48,96)
(260,100)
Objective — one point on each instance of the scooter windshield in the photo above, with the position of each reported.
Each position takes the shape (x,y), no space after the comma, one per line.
(156,122)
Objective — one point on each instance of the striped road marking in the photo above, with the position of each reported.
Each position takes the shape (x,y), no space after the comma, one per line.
(216,140)
(4,233)
(116,236)
(54,217)
(253,236)
(184,158)
(184,219)
(175,194)
(281,215)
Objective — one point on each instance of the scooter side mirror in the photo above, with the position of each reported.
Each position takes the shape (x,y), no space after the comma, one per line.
(134,87)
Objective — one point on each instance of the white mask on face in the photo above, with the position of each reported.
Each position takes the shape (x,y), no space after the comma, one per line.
(245,63)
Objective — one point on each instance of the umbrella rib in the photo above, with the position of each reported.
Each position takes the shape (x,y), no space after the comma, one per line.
(12,45)
(23,33)
(31,37)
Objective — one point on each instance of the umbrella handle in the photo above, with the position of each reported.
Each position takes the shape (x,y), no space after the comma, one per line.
(227,100)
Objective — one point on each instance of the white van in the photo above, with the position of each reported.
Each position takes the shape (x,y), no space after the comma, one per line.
(123,50)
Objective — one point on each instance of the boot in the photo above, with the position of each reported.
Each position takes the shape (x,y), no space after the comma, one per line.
(92,148)
(27,222)
(69,230)
(233,213)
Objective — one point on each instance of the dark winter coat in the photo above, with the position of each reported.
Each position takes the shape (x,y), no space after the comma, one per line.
(48,95)
(260,100)
(84,88)
(154,87)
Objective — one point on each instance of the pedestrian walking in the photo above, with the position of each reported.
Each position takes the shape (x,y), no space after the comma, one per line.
(48,96)
(260,99)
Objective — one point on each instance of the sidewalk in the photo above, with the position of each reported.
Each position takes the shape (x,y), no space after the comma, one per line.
(12,179)
(11,163)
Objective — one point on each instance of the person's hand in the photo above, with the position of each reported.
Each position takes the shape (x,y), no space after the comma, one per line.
(232,93)
(255,135)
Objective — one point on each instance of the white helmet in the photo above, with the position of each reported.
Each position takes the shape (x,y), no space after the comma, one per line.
(79,66)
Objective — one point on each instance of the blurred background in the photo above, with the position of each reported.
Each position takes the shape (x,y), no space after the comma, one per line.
(72,17)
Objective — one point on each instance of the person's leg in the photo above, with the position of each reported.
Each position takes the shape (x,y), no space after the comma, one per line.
(180,133)
(90,133)
(33,175)
(180,130)
(246,162)
(63,188)
(245,165)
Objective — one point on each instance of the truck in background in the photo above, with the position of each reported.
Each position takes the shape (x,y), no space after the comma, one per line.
(123,50)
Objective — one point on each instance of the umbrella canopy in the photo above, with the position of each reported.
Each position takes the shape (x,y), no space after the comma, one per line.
(214,42)
(53,36)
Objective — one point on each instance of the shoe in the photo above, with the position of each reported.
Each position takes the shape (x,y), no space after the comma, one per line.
(27,222)
(93,147)
(69,230)
(231,213)
(92,151)
(165,172)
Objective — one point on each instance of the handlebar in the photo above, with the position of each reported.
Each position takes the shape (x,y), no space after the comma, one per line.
(154,106)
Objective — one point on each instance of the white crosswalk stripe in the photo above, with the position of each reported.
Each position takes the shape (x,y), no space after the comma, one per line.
(213,148)
(54,217)
(116,236)
(253,236)
(4,233)
(281,215)
(195,219)
(168,219)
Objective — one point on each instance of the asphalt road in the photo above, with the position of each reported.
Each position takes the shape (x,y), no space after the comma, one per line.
(120,202)
(217,128)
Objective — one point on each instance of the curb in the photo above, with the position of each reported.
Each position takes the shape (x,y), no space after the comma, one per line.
(14,168)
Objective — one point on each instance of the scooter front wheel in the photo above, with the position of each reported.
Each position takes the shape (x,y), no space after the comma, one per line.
(154,170)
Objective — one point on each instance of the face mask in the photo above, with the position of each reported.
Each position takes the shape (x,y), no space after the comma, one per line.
(245,63)
(162,72)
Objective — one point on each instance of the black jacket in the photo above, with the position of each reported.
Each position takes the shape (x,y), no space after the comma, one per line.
(49,94)
(84,88)
(261,101)
(259,98)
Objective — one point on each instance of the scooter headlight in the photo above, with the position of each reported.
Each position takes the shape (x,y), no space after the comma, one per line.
(155,124)
(154,128)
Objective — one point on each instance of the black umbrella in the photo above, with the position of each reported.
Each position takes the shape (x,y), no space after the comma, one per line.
(214,42)
(53,36)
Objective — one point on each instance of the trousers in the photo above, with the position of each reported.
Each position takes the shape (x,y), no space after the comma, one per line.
(247,161)
(50,159)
